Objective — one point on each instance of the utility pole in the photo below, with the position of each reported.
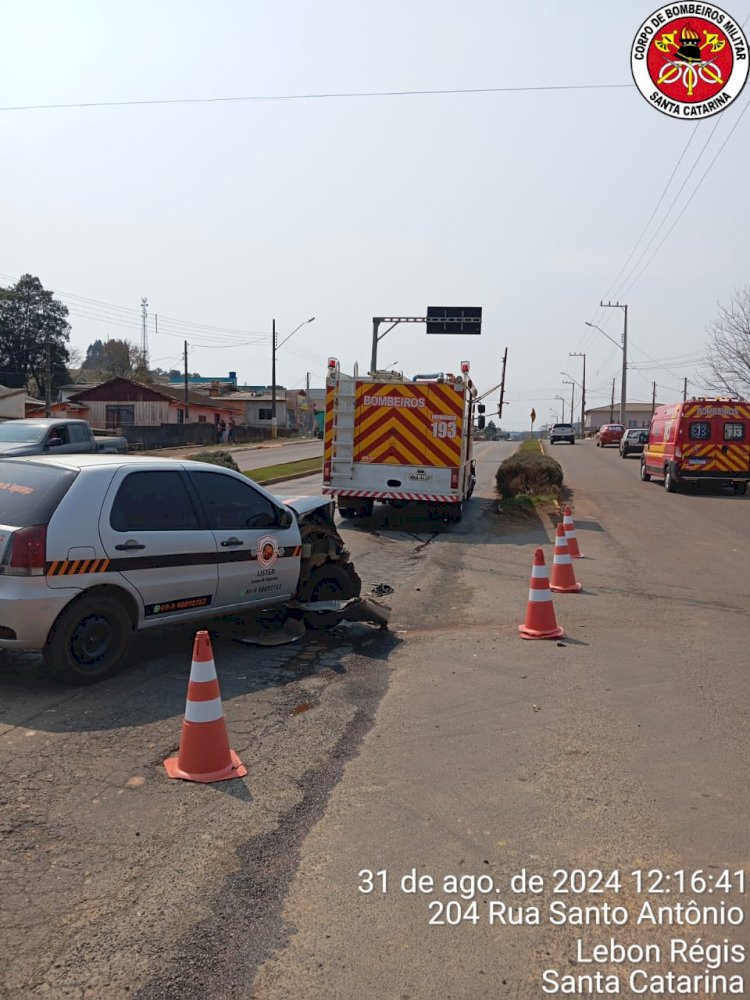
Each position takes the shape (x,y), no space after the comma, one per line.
(273,380)
(623,386)
(310,408)
(571,383)
(612,403)
(653,399)
(187,398)
(502,387)
(48,380)
(684,391)
(562,400)
(573,354)
(144,332)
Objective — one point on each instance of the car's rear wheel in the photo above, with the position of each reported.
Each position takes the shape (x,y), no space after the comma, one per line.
(90,640)
(624,452)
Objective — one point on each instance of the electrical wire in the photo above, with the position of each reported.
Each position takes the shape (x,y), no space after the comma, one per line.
(259,98)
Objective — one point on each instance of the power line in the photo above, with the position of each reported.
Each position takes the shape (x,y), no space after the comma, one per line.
(258,98)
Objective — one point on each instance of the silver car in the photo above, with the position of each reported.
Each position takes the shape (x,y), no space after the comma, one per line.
(93,547)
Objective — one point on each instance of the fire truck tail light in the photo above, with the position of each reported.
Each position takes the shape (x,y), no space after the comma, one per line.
(326,472)
(454,479)
(27,552)
(332,362)
(464,367)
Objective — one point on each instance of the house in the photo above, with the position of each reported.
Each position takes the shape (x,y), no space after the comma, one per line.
(256,409)
(121,402)
(14,403)
(301,407)
(636,415)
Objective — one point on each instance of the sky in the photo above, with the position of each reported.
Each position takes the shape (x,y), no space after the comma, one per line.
(229,214)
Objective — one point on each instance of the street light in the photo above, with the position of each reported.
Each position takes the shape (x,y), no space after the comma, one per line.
(274,349)
(577,354)
(624,348)
(562,400)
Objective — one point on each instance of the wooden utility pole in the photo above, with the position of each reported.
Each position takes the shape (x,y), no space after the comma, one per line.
(273,380)
(612,404)
(684,391)
(573,354)
(48,379)
(187,398)
(502,387)
(653,400)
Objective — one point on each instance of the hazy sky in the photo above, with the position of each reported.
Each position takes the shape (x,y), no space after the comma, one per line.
(228,214)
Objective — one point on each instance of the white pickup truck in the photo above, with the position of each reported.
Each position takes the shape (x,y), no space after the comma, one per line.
(50,435)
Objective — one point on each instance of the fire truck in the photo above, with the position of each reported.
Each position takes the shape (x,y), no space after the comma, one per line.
(399,441)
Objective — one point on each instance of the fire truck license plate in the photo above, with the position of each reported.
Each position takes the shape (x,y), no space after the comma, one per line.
(423,476)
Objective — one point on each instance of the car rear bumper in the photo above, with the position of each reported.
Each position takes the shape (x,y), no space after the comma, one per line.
(28,609)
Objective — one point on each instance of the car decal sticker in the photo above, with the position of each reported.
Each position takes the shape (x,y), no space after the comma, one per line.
(179,604)
(67,567)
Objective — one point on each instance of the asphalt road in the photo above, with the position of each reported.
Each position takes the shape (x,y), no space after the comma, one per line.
(256,456)
(445,745)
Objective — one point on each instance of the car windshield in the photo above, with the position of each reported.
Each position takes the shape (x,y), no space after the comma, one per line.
(562,427)
(21,433)
(634,434)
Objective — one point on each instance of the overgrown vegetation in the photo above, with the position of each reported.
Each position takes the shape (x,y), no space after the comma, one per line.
(222,458)
(529,473)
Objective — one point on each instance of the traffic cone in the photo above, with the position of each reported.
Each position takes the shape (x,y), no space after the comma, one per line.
(570,535)
(204,747)
(563,578)
(540,612)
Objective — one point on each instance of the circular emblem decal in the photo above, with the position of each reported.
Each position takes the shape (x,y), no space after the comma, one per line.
(268,551)
(690,60)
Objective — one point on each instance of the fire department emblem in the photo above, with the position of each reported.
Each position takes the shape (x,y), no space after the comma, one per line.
(690,60)
(268,551)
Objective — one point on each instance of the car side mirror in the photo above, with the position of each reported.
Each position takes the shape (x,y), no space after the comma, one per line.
(286,518)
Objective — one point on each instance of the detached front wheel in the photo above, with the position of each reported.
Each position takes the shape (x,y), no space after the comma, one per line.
(89,641)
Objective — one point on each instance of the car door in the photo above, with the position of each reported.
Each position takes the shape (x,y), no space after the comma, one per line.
(258,548)
(154,535)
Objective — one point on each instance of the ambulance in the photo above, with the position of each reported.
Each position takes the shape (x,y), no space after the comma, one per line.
(699,440)
(399,441)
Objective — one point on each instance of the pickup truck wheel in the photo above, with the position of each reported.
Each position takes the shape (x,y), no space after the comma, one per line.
(331,582)
(90,640)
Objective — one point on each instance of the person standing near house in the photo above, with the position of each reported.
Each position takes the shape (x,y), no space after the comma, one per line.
(230,430)
(220,430)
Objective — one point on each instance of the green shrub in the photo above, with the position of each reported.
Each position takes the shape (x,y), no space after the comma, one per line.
(527,472)
(222,458)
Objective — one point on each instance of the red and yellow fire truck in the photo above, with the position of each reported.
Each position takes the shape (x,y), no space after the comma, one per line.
(398,441)
(698,440)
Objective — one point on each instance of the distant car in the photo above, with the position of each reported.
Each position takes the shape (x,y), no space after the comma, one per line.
(562,432)
(609,434)
(633,442)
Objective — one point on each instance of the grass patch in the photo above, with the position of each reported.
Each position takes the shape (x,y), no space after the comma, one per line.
(529,446)
(222,458)
(304,465)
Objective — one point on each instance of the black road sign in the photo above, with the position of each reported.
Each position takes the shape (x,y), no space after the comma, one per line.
(454,319)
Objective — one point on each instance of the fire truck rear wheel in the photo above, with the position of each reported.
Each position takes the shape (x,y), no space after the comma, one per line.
(740,488)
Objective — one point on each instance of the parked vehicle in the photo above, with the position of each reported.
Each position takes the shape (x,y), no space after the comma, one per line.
(95,547)
(45,435)
(609,434)
(562,432)
(633,441)
(699,440)
(399,441)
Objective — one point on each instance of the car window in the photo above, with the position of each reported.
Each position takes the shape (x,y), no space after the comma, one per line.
(230,504)
(29,493)
(153,501)
(79,433)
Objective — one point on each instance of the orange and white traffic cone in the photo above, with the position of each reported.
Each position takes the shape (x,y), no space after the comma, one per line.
(204,748)
(570,535)
(540,620)
(563,577)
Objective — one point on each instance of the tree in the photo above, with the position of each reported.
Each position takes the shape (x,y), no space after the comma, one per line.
(114,358)
(729,347)
(32,321)
(490,431)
